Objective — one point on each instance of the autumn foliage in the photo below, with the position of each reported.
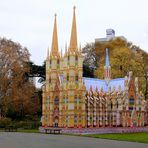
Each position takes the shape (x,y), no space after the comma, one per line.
(17,92)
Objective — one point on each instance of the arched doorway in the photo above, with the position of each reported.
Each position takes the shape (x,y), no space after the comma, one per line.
(56,112)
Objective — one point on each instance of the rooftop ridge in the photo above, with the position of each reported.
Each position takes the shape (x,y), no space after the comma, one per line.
(117,79)
(93,79)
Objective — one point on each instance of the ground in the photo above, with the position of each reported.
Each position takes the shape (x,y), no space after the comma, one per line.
(35,140)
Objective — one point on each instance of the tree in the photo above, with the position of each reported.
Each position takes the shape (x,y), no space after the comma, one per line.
(37,71)
(16,90)
(142,61)
(89,63)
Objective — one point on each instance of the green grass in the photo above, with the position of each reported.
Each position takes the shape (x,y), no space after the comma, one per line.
(133,137)
(24,130)
(28,130)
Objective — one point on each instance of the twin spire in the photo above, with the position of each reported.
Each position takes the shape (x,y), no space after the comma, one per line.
(54,46)
(73,39)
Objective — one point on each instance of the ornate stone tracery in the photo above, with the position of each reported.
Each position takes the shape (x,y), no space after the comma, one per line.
(70,100)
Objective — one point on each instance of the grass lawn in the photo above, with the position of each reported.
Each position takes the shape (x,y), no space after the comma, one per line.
(133,137)
(28,130)
(24,130)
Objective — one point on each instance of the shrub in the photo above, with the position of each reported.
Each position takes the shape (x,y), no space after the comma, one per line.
(5,122)
(28,124)
(19,124)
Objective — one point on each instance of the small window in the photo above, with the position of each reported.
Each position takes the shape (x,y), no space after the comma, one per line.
(48,100)
(68,58)
(66,100)
(130,108)
(131,103)
(67,78)
(90,118)
(79,119)
(56,101)
(58,61)
(75,99)
(66,119)
(50,62)
(117,105)
(49,80)
(75,118)
(111,106)
(76,59)
(77,79)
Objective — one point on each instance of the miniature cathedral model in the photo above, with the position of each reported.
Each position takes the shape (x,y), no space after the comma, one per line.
(71,100)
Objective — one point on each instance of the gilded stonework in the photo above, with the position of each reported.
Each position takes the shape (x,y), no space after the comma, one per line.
(70,100)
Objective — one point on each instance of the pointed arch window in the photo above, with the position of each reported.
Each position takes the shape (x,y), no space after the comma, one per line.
(68,59)
(58,63)
(117,105)
(49,79)
(75,119)
(131,103)
(76,79)
(66,119)
(67,78)
(75,99)
(76,60)
(56,101)
(111,105)
(48,100)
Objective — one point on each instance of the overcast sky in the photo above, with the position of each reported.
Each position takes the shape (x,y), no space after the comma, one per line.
(30,22)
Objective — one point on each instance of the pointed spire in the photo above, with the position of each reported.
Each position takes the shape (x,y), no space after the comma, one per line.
(54,46)
(65,49)
(47,53)
(73,39)
(61,53)
(107,59)
(107,71)
(80,49)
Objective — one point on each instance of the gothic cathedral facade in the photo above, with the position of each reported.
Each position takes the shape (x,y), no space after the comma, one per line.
(71,100)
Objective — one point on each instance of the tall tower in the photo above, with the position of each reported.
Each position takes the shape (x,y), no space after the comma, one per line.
(51,89)
(73,86)
(64,91)
(107,68)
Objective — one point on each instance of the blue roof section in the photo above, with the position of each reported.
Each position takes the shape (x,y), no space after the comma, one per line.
(117,82)
(94,82)
(107,59)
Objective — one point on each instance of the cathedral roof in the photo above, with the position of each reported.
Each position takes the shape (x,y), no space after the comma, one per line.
(94,82)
